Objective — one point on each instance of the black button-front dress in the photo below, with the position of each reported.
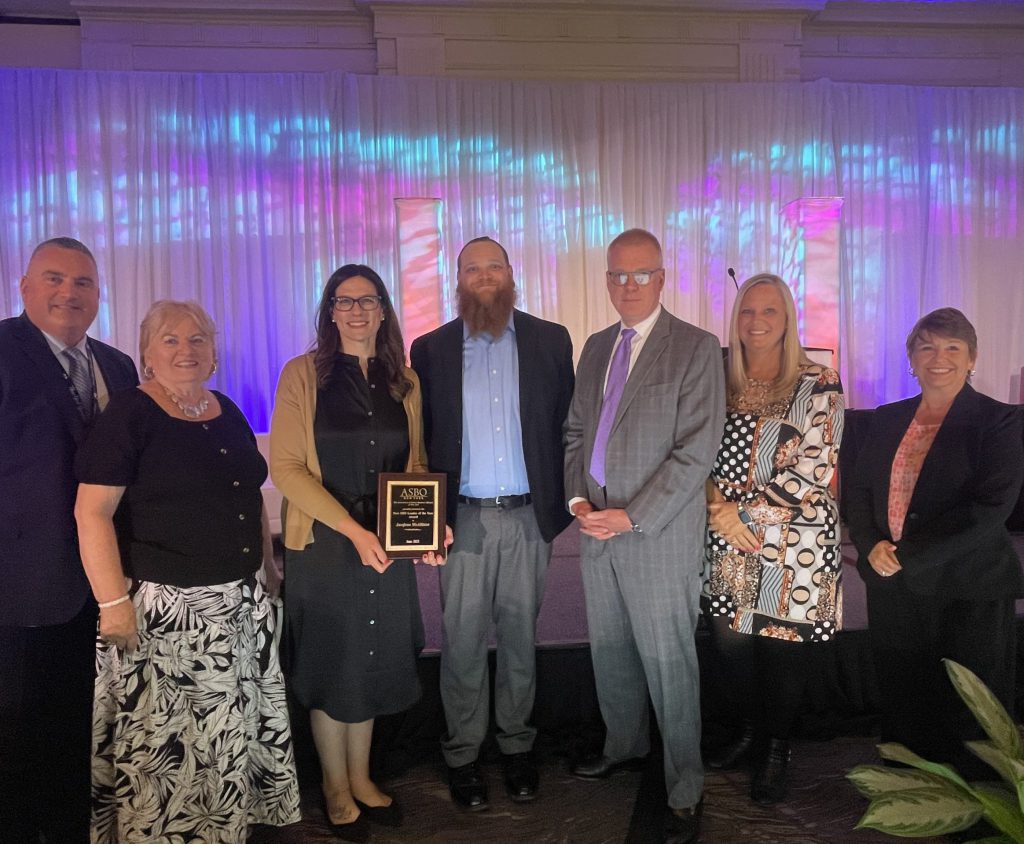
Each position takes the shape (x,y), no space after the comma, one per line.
(352,634)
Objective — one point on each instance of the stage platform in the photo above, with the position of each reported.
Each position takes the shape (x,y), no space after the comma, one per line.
(842,698)
(563,615)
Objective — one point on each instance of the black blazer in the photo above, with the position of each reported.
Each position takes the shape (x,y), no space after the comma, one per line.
(41,577)
(545,390)
(955,540)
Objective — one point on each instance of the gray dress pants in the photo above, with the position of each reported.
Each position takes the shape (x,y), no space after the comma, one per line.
(495,573)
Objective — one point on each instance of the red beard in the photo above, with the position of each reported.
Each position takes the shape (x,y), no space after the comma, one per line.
(487,314)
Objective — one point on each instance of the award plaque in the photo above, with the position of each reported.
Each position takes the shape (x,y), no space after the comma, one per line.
(411,513)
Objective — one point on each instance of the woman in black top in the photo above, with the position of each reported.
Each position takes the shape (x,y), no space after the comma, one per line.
(344,413)
(935,482)
(191,739)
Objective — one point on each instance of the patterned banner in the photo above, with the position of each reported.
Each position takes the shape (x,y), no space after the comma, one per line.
(420,303)
(811,255)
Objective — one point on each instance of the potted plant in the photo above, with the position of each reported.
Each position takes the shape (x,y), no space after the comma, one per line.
(928,798)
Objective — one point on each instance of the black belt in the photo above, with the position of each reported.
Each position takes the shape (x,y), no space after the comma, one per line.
(362,508)
(500,502)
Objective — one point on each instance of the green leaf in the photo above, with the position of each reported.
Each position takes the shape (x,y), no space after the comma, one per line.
(1002,809)
(899,753)
(921,813)
(1009,769)
(876,780)
(988,711)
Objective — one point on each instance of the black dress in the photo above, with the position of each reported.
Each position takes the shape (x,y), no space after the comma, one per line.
(353,634)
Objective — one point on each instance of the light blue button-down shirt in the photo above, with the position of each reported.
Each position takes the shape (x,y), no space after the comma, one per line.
(492,431)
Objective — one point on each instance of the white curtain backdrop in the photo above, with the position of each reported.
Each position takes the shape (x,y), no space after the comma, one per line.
(245,192)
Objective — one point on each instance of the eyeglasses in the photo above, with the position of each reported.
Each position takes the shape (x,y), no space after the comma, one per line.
(347,303)
(641,277)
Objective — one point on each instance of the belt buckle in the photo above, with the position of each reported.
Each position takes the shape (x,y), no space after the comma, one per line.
(498,502)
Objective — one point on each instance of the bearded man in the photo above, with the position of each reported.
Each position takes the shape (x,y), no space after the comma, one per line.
(497,384)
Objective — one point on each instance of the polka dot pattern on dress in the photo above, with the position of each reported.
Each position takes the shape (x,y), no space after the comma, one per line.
(733,462)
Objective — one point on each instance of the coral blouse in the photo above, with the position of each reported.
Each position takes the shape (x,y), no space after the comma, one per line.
(906,467)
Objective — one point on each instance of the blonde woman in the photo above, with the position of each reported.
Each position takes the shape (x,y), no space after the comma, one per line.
(772,564)
(191,739)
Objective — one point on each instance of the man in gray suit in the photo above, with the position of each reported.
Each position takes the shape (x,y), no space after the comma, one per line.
(643,428)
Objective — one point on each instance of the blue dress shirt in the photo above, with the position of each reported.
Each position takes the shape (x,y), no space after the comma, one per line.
(492,432)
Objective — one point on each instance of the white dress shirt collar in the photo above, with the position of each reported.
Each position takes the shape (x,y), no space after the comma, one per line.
(643,328)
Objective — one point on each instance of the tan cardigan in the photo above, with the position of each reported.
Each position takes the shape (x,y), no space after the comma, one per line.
(294,466)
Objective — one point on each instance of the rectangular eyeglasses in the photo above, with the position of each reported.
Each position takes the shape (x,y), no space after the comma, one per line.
(346,303)
(641,277)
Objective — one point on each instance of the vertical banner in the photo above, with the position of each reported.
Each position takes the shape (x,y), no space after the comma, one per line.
(811,265)
(420,301)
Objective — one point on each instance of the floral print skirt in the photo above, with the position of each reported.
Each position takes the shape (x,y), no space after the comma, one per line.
(191,741)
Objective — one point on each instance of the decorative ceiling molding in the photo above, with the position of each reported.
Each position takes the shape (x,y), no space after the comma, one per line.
(891,41)
(715,6)
(892,12)
(309,11)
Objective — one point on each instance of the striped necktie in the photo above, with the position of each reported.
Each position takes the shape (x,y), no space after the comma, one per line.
(81,381)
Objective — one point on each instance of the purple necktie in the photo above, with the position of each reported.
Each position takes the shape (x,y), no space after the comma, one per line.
(617,374)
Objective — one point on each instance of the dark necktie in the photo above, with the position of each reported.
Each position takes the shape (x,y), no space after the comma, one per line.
(617,374)
(81,380)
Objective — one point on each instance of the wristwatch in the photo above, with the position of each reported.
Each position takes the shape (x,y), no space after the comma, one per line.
(635,528)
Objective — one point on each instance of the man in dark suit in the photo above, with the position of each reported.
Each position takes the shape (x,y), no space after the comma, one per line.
(643,430)
(53,380)
(496,388)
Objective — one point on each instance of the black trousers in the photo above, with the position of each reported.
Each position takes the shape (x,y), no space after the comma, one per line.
(910,635)
(46,688)
(764,678)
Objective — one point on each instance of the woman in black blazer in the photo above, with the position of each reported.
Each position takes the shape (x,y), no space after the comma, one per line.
(936,480)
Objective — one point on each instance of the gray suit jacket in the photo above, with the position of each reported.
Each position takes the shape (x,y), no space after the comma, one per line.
(665,435)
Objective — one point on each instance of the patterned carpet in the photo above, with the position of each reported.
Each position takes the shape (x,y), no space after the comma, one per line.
(822,808)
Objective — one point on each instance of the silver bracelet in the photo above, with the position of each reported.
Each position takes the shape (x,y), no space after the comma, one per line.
(124,599)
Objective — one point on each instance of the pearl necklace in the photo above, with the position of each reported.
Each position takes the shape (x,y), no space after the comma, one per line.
(192,411)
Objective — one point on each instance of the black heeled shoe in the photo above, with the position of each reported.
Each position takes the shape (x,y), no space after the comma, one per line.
(768,785)
(390,815)
(730,756)
(357,831)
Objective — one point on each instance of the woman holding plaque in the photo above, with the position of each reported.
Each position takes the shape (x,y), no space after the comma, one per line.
(344,413)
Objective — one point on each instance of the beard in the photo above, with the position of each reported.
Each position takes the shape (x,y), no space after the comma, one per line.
(488,314)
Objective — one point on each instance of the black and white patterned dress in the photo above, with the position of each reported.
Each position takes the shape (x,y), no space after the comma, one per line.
(191,740)
(777,459)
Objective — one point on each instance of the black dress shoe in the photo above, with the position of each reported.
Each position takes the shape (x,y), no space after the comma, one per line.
(468,788)
(682,826)
(357,830)
(390,815)
(768,785)
(602,767)
(735,752)
(521,779)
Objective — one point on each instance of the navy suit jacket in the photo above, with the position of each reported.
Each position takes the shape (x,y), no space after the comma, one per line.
(545,390)
(41,577)
(955,541)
